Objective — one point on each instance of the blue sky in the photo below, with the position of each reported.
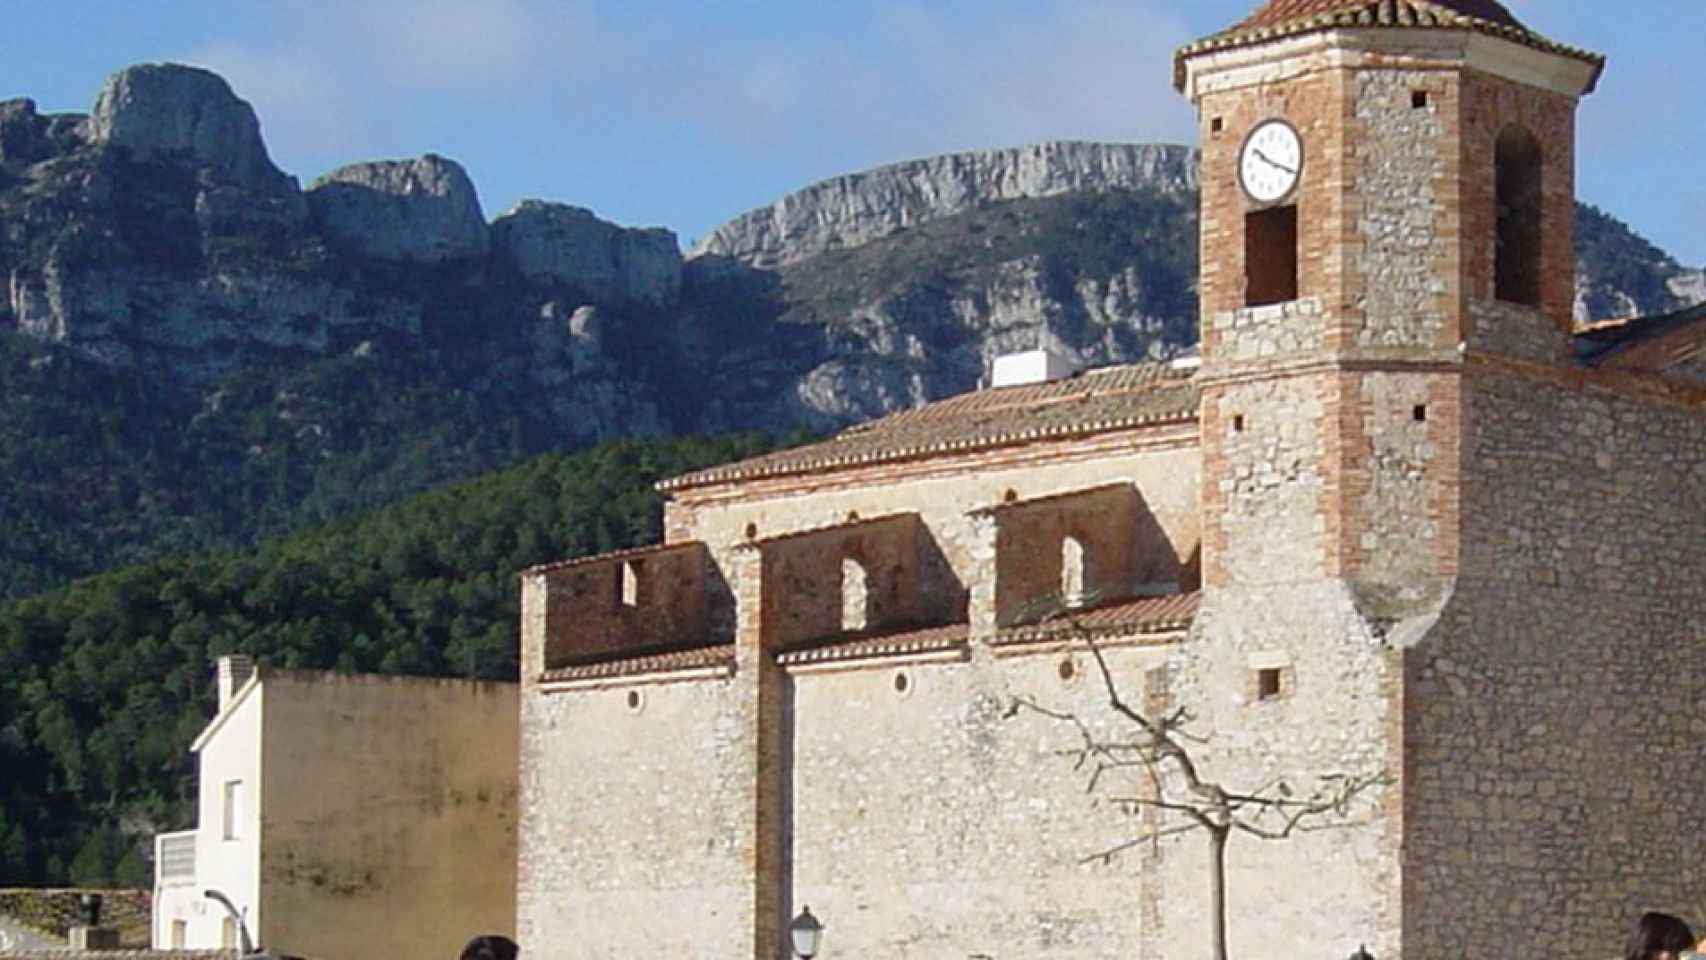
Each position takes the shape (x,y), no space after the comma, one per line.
(666,113)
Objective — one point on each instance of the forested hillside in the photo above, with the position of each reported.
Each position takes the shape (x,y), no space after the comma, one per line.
(104,684)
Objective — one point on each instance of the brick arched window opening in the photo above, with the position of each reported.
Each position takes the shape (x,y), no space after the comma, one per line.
(1072,569)
(1516,245)
(855,596)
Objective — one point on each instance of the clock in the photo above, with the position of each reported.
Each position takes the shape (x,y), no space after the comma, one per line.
(1271,162)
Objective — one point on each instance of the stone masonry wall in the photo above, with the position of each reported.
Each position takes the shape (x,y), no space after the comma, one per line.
(1405,249)
(929,824)
(1488,104)
(1161,465)
(637,823)
(1263,500)
(1319,893)
(1514,330)
(804,599)
(1275,330)
(1396,473)
(1314,103)
(1124,549)
(1555,727)
(937,828)
(589,615)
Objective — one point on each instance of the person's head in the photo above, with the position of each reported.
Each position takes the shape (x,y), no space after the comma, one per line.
(492,947)
(1658,936)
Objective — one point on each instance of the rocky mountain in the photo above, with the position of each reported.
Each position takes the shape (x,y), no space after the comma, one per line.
(856,209)
(195,350)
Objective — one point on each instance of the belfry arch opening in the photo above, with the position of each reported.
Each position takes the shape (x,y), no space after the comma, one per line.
(1270,256)
(1072,572)
(1516,244)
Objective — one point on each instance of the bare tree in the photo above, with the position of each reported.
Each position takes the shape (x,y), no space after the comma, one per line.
(1158,748)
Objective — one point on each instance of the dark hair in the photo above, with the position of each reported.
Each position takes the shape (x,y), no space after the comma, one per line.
(1656,933)
(491,947)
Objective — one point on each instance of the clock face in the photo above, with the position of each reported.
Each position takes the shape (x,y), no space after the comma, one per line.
(1271,162)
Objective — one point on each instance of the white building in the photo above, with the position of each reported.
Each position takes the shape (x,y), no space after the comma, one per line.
(332,806)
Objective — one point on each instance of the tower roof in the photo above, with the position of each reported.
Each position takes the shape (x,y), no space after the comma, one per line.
(1285,11)
(1279,19)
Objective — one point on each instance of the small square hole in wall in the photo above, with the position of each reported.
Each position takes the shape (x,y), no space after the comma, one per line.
(1216,125)
(1419,99)
(1268,683)
(1420,413)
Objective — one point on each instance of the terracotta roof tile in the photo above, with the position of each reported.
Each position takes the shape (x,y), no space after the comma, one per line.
(912,640)
(1111,398)
(1136,616)
(1280,19)
(1616,343)
(664,661)
(1281,11)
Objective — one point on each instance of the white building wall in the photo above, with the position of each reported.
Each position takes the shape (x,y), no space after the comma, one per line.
(228,752)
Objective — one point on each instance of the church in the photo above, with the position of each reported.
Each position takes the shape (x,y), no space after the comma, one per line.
(1403,521)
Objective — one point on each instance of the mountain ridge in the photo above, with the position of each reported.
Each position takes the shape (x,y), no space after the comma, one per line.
(206,353)
(856,208)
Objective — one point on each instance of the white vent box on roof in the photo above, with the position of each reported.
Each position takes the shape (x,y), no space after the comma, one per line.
(1032,366)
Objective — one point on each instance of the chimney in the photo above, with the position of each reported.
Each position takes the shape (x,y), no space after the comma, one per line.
(1032,366)
(234,671)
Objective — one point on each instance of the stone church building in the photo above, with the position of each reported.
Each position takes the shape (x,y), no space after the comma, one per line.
(1402,520)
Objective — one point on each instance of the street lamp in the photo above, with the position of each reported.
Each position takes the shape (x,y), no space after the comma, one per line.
(244,944)
(805,931)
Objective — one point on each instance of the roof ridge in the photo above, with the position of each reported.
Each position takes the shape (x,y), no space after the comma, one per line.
(1281,19)
(1384,12)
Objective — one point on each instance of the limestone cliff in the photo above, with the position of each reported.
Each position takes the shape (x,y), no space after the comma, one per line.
(855,209)
(422,211)
(555,245)
(178,113)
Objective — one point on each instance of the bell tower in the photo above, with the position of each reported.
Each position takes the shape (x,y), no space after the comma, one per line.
(1387,192)
(1387,210)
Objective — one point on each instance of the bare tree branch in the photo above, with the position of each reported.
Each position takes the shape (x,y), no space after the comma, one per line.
(1161,749)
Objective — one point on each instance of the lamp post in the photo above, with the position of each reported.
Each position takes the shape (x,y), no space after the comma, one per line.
(244,944)
(805,931)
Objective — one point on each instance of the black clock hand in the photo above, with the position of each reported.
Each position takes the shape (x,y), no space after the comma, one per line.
(1270,162)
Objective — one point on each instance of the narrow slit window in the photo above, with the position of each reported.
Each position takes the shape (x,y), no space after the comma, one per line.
(1270,256)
